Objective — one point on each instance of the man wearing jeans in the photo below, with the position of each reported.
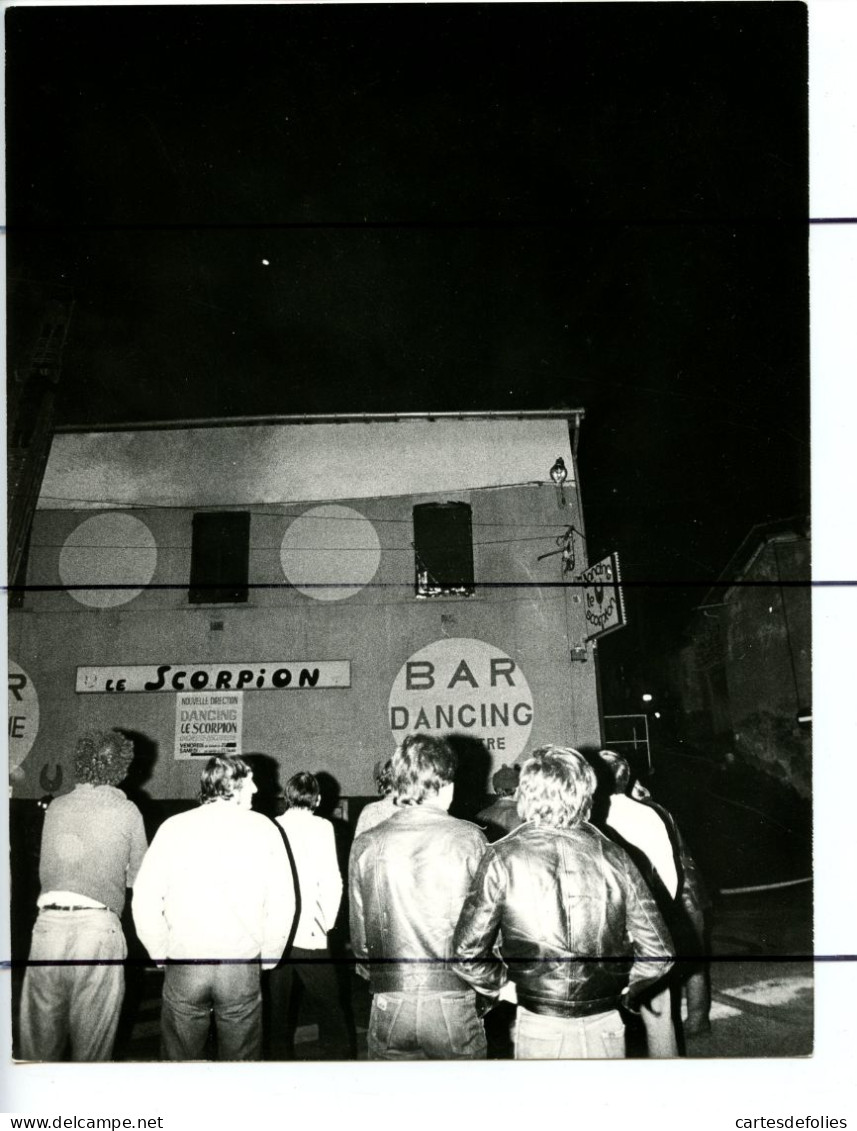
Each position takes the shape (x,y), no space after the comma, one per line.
(408,878)
(571,918)
(214,901)
(92,844)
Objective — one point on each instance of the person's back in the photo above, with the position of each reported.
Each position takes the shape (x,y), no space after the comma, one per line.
(103,826)
(411,874)
(407,881)
(214,901)
(377,811)
(374,813)
(215,897)
(501,817)
(93,843)
(692,889)
(644,834)
(688,918)
(564,914)
(309,963)
(648,834)
(569,897)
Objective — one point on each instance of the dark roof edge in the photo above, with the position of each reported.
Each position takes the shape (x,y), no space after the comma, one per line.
(573,415)
(759,536)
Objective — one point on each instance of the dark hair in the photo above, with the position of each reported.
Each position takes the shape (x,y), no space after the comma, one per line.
(302,791)
(422,766)
(102,757)
(222,778)
(505,781)
(619,768)
(557,785)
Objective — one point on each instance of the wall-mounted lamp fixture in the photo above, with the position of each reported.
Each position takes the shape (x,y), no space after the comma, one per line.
(559,474)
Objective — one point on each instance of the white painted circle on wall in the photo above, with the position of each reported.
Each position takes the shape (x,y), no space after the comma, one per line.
(23,715)
(463,686)
(330,553)
(114,550)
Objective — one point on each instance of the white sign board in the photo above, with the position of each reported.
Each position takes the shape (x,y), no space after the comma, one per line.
(464,686)
(208,723)
(23,715)
(273,675)
(603,602)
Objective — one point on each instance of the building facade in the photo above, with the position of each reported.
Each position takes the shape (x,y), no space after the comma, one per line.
(310,590)
(744,677)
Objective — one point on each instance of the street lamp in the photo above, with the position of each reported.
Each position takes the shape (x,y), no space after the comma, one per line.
(559,474)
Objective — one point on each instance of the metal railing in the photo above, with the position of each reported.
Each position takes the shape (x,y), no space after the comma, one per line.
(632,731)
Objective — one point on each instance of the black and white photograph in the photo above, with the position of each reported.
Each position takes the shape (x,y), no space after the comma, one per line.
(410,538)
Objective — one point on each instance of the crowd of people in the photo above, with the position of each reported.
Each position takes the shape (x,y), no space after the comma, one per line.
(563,913)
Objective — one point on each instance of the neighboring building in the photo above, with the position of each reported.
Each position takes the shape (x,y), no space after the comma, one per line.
(307,588)
(30,408)
(745,676)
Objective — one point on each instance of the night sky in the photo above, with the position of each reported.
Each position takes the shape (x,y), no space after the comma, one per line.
(462,207)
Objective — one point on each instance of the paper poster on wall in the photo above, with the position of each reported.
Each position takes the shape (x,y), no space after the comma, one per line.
(208,722)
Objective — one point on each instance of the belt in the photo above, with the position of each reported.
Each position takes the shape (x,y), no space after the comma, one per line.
(567,1009)
(395,978)
(62,907)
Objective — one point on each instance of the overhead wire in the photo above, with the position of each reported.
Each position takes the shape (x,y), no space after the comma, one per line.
(279,510)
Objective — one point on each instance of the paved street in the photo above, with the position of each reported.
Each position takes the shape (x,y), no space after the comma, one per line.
(750,836)
(761,1006)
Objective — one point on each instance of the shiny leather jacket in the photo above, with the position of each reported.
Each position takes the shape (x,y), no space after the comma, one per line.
(692,891)
(571,917)
(408,878)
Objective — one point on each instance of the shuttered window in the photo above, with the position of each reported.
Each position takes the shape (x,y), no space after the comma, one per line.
(443,549)
(220,555)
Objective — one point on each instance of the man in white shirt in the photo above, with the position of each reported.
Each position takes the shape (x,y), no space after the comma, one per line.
(309,962)
(214,900)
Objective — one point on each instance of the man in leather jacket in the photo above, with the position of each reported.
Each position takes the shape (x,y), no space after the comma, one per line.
(563,913)
(408,877)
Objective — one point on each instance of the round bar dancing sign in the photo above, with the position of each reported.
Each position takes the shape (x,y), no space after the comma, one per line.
(464,686)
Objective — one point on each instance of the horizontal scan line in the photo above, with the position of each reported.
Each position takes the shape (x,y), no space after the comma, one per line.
(797,220)
(627,960)
(408,586)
